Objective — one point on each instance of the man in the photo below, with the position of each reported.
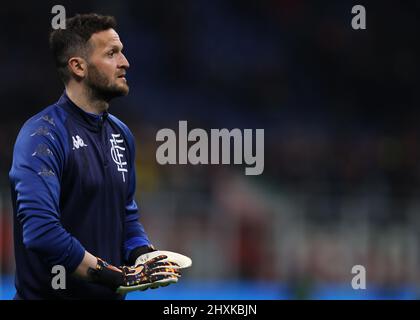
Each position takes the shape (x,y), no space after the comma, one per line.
(73,179)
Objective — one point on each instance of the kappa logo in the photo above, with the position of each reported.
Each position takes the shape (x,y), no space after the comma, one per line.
(78,142)
(42,150)
(43,131)
(116,155)
(46,172)
(48,119)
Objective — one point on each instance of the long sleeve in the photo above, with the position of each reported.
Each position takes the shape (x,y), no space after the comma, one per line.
(38,162)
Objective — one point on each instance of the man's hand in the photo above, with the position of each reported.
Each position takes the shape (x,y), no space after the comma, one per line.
(151,274)
(178,259)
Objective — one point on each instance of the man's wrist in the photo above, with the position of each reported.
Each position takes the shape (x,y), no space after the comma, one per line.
(106,274)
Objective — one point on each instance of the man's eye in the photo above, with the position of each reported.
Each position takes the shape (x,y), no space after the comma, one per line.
(111,53)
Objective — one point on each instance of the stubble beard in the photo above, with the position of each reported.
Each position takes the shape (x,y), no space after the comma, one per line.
(100,88)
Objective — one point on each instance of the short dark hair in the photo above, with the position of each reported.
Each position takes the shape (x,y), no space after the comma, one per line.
(73,40)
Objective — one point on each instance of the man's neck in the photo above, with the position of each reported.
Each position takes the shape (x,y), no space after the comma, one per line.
(85,101)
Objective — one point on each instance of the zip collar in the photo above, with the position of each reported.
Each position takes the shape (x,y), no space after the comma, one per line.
(91,121)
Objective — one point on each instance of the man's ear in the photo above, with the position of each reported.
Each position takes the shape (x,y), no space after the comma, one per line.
(78,66)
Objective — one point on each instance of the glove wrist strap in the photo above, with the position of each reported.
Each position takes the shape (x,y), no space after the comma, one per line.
(106,274)
(137,252)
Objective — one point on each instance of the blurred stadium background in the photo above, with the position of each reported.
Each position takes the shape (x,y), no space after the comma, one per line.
(340,109)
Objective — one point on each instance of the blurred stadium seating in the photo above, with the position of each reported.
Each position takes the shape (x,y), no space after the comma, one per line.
(340,111)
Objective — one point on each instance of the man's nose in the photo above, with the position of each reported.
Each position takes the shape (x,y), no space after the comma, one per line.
(124,62)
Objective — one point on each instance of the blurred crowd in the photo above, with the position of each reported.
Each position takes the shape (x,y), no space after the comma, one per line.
(340,109)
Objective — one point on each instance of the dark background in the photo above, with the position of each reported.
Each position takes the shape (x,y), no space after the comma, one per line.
(340,109)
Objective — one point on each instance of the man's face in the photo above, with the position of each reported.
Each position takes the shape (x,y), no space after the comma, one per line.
(107,66)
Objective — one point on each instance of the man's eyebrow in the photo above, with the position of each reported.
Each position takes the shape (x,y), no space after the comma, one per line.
(115,46)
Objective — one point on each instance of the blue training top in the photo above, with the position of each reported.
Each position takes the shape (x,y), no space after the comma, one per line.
(73,183)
